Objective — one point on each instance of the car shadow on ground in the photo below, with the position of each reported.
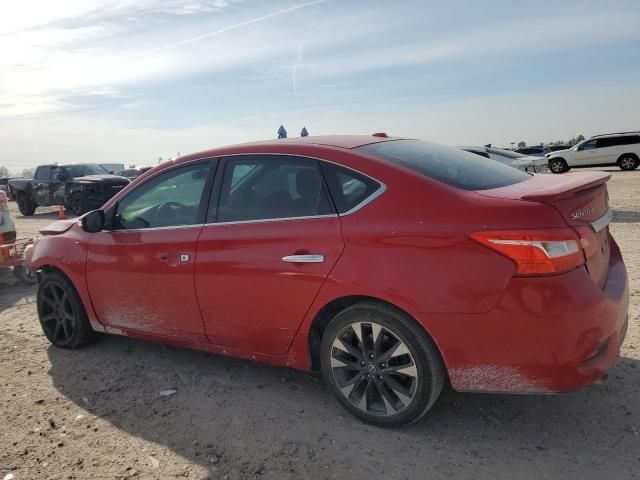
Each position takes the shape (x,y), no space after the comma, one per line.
(284,424)
(13,291)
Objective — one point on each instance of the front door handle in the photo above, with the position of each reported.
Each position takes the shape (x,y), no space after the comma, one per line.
(303,258)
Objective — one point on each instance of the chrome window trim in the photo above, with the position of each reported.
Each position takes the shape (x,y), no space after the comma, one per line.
(264,220)
(603,221)
(367,200)
(152,229)
(381,189)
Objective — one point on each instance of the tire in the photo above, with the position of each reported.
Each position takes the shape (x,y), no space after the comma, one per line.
(558,165)
(77,204)
(628,162)
(400,383)
(62,316)
(26,206)
(25,275)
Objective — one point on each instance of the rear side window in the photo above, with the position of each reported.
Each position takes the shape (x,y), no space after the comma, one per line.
(631,139)
(348,188)
(450,166)
(610,142)
(265,187)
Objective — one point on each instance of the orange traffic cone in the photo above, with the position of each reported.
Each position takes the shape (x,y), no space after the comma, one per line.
(61,213)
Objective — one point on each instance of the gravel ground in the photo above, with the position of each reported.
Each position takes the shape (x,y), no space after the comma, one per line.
(98,413)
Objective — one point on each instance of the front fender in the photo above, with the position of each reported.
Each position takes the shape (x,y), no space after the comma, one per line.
(68,254)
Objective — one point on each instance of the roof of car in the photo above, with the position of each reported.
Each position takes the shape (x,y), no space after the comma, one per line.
(334,141)
(615,134)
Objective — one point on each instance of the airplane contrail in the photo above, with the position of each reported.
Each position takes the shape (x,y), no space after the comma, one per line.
(225,29)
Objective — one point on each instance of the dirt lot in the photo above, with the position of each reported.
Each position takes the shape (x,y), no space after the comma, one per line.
(97,412)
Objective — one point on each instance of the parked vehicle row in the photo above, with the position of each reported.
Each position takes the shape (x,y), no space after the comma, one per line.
(79,188)
(392,265)
(621,149)
(526,163)
(133,173)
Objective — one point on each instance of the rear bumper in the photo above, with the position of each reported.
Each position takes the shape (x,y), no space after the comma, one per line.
(547,334)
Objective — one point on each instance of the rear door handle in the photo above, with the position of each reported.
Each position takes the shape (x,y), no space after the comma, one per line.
(303,259)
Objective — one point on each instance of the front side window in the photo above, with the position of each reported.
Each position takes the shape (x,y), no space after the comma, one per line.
(170,199)
(588,145)
(271,187)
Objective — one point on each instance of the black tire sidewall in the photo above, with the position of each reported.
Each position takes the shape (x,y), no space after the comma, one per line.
(426,357)
(82,331)
(635,163)
(25,205)
(561,161)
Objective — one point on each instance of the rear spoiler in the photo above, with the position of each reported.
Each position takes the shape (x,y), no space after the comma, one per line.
(567,185)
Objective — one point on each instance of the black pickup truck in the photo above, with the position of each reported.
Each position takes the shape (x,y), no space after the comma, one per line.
(79,188)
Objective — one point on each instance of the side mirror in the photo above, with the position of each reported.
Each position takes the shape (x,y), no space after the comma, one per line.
(93,221)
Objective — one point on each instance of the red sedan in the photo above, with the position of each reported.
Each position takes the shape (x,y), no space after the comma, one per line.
(393,265)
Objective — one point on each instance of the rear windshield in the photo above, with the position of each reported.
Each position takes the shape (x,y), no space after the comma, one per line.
(448,165)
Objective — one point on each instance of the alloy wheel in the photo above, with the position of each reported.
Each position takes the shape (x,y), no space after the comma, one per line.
(557,167)
(627,163)
(57,313)
(374,369)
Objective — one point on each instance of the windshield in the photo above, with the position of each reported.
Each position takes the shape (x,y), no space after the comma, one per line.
(82,170)
(451,166)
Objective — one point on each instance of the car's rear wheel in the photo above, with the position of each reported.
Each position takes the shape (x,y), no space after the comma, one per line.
(380,365)
(628,162)
(558,165)
(26,205)
(61,313)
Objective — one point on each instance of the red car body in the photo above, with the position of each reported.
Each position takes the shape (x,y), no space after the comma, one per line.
(411,246)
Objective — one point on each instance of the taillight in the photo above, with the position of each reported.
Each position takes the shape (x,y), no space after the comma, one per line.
(4,203)
(536,252)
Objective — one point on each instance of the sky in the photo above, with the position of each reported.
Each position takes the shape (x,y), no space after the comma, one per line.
(129,81)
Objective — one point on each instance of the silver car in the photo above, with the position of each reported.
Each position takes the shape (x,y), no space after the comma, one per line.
(526,163)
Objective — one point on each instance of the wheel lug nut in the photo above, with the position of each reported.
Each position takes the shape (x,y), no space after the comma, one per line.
(380,377)
(371,355)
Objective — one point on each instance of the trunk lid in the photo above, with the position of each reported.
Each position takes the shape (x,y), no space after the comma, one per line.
(582,200)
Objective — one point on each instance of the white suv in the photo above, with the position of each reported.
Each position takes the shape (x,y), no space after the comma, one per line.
(622,149)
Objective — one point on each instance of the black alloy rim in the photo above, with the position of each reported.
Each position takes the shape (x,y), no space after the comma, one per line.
(57,313)
(374,369)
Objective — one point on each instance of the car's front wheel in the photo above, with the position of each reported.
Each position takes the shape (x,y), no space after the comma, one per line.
(558,165)
(61,313)
(380,365)
(26,205)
